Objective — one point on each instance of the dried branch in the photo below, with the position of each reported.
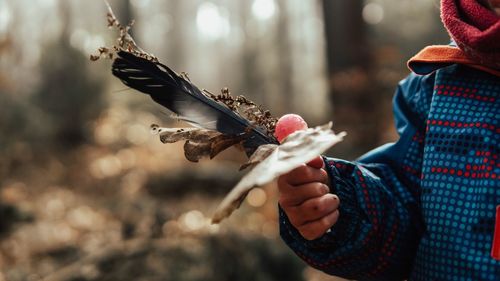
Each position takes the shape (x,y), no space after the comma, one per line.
(246,108)
(124,42)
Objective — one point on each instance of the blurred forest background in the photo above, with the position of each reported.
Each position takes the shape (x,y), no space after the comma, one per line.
(87,193)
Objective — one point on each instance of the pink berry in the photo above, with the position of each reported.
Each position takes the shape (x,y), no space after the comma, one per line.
(288,124)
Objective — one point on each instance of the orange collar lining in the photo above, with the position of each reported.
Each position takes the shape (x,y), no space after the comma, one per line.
(445,55)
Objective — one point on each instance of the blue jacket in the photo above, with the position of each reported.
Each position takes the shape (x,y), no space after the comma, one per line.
(422,208)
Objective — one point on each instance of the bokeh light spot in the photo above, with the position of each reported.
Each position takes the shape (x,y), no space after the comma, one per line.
(5,16)
(264,9)
(137,134)
(140,3)
(373,13)
(212,22)
(257,197)
(193,220)
(106,166)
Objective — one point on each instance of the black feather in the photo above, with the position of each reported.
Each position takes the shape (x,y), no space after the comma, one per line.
(183,98)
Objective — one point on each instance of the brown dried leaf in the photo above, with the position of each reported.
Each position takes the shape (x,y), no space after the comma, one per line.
(223,142)
(298,148)
(199,143)
(171,135)
(194,151)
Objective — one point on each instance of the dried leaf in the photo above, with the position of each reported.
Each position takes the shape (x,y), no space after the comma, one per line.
(199,143)
(298,148)
(194,151)
(171,135)
(223,142)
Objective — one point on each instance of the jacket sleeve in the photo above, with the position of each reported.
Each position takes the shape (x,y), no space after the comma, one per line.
(380,224)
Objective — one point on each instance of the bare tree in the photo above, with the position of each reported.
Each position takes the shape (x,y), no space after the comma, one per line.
(345,34)
(354,91)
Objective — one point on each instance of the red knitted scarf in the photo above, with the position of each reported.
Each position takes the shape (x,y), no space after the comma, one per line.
(475,29)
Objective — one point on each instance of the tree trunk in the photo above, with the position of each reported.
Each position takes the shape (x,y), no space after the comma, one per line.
(345,34)
(353,90)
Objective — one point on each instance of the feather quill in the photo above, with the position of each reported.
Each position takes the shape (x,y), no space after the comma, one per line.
(183,98)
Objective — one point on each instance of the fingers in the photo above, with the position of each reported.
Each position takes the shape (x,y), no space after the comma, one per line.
(299,194)
(302,175)
(311,210)
(317,228)
(305,198)
(317,163)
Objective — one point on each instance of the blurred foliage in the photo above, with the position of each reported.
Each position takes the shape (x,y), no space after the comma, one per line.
(16,117)
(13,128)
(9,216)
(70,94)
(13,120)
(216,258)
(237,259)
(213,182)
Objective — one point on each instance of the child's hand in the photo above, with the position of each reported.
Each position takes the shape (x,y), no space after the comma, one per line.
(305,198)
(304,193)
